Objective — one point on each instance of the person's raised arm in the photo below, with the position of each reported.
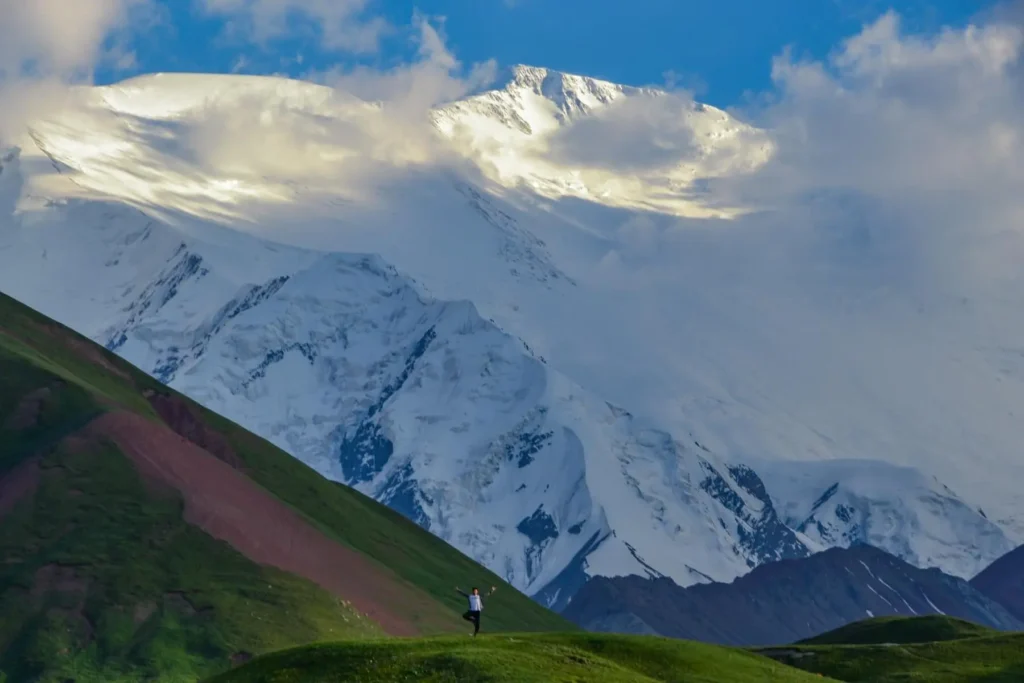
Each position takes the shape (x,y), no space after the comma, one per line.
(459,591)
(493,588)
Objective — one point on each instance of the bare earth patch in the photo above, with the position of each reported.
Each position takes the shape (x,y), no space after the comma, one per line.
(229,506)
(18,485)
(26,414)
(184,420)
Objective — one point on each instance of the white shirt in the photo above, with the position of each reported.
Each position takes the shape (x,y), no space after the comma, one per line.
(475,603)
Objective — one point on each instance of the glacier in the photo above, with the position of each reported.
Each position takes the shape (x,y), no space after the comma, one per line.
(457,338)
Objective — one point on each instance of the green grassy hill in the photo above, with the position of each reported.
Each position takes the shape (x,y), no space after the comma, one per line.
(554,658)
(112,569)
(902,650)
(881,630)
(874,651)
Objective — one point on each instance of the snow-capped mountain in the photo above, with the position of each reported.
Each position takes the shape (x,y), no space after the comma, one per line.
(422,404)
(549,131)
(843,503)
(449,336)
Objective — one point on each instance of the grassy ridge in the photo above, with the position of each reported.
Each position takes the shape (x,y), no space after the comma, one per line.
(881,630)
(102,580)
(537,658)
(931,649)
(990,659)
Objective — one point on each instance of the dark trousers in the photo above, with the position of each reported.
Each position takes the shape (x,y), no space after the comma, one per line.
(475,618)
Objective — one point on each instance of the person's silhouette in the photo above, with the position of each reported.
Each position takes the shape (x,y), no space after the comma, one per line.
(476,606)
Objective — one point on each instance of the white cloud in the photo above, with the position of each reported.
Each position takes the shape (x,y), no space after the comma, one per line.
(45,37)
(906,150)
(240,64)
(374,122)
(412,89)
(341,24)
(225,140)
(893,114)
(45,44)
(632,134)
(943,109)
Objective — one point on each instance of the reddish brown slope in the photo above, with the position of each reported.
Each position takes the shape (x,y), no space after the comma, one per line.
(229,506)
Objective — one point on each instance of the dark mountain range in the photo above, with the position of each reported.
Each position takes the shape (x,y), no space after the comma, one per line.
(1003,581)
(784,601)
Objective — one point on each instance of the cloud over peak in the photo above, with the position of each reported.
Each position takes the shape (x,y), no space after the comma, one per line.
(46,37)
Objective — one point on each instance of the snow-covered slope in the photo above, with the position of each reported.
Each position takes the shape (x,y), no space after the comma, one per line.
(487,368)
(551,131)
(848,502)
(423,404)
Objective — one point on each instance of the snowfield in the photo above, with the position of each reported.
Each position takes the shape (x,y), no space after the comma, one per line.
(511,326)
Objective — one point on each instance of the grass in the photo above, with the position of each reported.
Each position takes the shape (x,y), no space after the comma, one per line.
(988,659)
(901,630)
(67,408)
(533,658)
(58,350)
(894,651)
(103,580)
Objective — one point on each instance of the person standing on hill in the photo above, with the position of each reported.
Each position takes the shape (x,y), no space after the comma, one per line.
(476,606)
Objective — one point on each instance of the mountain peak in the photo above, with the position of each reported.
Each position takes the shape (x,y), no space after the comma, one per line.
(564,88)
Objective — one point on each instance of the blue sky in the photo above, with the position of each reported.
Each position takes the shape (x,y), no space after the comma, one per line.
(720,48)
